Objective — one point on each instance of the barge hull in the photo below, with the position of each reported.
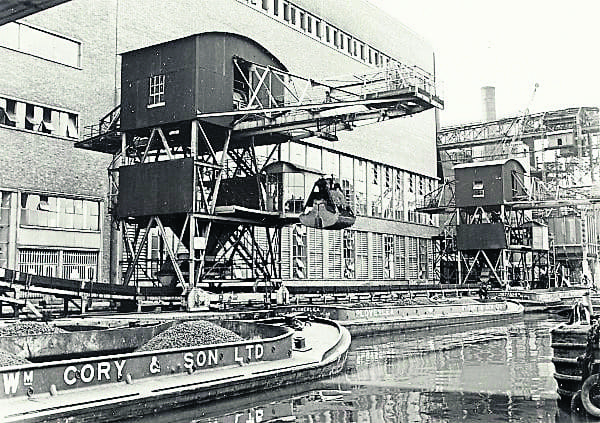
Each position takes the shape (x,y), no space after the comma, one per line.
(136,397)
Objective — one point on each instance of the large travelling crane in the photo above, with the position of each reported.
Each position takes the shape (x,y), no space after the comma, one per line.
(228,215)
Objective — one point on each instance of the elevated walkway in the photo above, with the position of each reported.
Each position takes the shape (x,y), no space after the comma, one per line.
(307,107)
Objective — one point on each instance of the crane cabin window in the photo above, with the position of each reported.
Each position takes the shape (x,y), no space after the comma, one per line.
(478,191)
(156,95)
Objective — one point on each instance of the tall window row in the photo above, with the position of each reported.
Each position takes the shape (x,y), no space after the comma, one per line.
(60,213)
(371,189)
(320,30)
(351,254)
(44,119)
(41,43)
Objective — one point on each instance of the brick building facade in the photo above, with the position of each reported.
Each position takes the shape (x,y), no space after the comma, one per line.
(62,73)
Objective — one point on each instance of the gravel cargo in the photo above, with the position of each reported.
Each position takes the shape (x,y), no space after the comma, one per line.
(29,329)
(8,359)
(191,334)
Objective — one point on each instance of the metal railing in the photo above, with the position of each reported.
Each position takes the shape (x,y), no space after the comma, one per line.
(108,123)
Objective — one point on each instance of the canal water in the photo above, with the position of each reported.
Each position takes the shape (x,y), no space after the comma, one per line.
(468,373)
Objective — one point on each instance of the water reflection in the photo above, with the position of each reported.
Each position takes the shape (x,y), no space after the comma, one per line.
(512,360)
(463,374)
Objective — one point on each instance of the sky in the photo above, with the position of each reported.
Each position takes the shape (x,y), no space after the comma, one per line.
(511,45)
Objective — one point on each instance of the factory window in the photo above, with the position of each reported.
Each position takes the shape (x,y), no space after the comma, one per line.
(331,163)
(61,213)
(298,153)
(399,195)
(559,141)
(334,248)
(362,255)
(276,7)
(33,118)
(360,192)
(286,12)
(349,259)
(423,270)
(293,15)
(315,253)
(374,191)
(422,183)
(478,191)
(388,194)
(309,24)
(413,216)
(303,20)
(375,174)
(286,263)
(156,95)
(335,38)
(8,111)
(346,179)
(72,125)
(299,264)
(4,207)
(377,254)
(38,118)
(355,48)
(319,28)
(349,45)
(313,160)
(388,257)
(40,43)
(362,52)
(413,258)
(400,258)
(327,33)
(265,4)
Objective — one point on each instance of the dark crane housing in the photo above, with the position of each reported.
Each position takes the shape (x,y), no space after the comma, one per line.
(495,240)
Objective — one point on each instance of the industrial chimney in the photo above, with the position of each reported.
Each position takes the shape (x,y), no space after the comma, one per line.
(488,103)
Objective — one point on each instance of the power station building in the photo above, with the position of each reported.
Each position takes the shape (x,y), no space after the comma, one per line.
(62,74)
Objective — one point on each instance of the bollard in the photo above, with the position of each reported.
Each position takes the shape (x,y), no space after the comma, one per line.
(299,343)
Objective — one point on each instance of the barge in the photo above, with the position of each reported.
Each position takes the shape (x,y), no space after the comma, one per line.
(372,319)
(544,300)
(124,386)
